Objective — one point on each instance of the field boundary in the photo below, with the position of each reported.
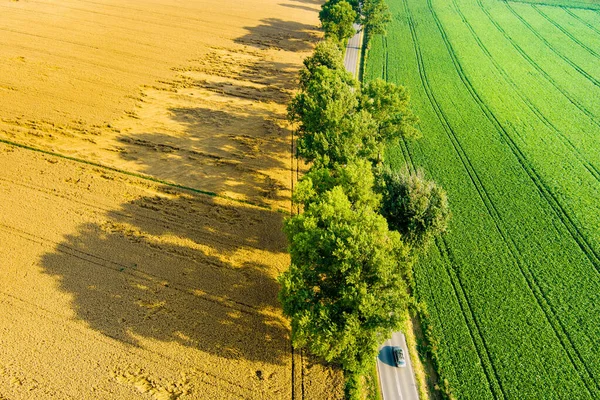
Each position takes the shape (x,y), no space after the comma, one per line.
(560,4)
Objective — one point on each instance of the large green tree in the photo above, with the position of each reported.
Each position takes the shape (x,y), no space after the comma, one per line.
(389,105)
(331,127)
(356,179)
(414,206)
(338,20)
(375,17)
(327,54)
(345,285)
(354,3)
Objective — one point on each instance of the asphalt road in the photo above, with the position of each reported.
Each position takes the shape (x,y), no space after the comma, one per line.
(352,52)
(397,383)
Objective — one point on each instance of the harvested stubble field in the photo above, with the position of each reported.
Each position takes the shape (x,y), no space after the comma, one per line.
(119,278)
(509,99)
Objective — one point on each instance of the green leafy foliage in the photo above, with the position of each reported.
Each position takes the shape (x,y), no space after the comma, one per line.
(375,18)
(504,94)
(337,19)
(345,281)
(331,127)
(356,180)
(415,207)
(354,3)
(388,104)
(347,285)
(327,54)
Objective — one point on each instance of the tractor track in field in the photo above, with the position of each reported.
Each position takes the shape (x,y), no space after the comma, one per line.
(576,67)
(549,124)
(565,32)
(574,355)
(130,254)
(561,213)
(163,14)
(532,283)
(447,258)
(172,219)
(563,91)
(96,63)
(106,263)
(578,18)
(131,56)
(92,22)
(466,308)
(550,315)
(155,22)
(476,336)
(128,270)
(141,175)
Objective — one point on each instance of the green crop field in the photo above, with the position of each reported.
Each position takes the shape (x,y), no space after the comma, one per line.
(508,94)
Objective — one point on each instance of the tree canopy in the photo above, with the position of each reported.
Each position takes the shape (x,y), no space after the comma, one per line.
(327,54)
(344,286)
(388,104)
(332,129)
(350,247)
(415,207)
(375,17)
(338,19)
(356,180)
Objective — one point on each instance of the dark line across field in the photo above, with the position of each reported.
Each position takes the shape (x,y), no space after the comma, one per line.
(571,339)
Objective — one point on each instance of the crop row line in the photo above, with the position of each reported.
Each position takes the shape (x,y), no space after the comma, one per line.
(142,176)
(590,167)
(450,264)
(589,77)
(540,70)
(561,213)
(387,59)
(577,17)
(134,57)
(474,329)
(411,166)
(170,219)
(534,286)
(549,124)
(74,23)
(60,320)
(190,27)
(513,248)
(565,32)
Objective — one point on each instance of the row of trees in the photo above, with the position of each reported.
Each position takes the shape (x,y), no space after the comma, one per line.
(353,243)
(338,16)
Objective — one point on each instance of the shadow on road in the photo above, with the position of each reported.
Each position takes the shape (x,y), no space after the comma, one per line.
(386,357)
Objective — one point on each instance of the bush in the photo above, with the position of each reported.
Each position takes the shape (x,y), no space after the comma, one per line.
(413,206)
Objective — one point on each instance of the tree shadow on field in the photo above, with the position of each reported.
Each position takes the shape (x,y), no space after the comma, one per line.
(219,126)
(223,151)
(185,269)
(278,34)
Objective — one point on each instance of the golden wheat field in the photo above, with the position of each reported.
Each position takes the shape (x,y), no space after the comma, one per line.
(120,277)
